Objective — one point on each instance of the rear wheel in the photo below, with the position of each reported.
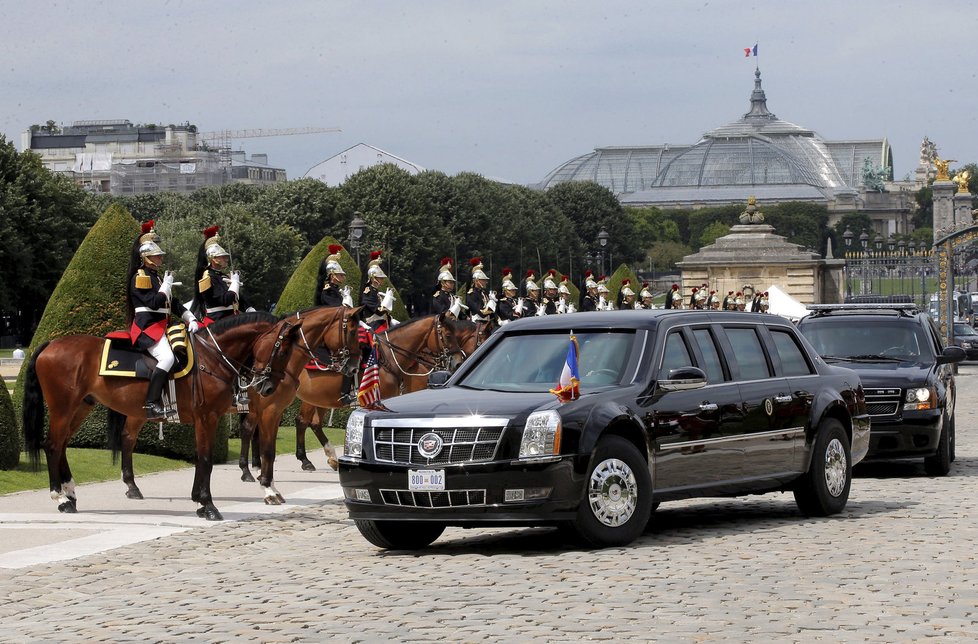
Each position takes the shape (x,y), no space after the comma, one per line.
(399,535)
(940,463)
(824,489)
(618,498)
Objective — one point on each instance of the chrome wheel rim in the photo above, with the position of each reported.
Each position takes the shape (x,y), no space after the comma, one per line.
(613,492)
(835,467)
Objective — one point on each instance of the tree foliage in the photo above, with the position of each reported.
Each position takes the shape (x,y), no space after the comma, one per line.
(10,440)
(300,290)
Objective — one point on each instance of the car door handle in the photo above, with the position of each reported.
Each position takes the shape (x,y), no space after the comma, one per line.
(781,398)
(708,406)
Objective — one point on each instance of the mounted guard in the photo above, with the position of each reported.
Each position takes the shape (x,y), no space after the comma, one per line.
(331,288)
(218,293)
(510,308)
(481,304)
(590,300)
(376,307)
(445,300)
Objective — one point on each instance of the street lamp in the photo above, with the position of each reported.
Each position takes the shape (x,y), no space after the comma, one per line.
(603,237)
(357,229)
(864,240)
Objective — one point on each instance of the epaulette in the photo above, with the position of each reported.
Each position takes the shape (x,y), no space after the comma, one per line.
(471,290)
(366,290)
(143,279)
(204,283)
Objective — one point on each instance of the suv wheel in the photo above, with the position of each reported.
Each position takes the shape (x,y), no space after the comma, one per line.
(940,463)
(824,489)
(618,499)
(399,535)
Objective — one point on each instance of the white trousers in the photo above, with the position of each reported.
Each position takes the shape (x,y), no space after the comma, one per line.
(163,354)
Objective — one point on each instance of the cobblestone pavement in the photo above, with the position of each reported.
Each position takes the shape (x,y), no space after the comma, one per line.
(899,565)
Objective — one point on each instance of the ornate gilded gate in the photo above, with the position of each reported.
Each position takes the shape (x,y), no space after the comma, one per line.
(944,253)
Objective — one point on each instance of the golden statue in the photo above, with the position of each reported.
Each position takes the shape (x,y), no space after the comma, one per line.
(941,165)
(961,179)
(752,215)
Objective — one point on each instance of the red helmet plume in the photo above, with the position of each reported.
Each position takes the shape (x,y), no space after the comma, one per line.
(148,226)
(588,273)
(446,260)
(531,273)
(475,261)
(507,271)
(374,254)
(208,232)
(626,282)
(334,248)
(645,284)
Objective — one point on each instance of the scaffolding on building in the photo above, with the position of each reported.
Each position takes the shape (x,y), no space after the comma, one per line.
(140,176)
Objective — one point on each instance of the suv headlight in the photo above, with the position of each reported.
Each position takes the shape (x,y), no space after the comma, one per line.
(920,398)
(353,446)
(541,435)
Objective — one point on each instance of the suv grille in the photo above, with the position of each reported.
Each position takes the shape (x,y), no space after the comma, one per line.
(447,499)
(460,444)
(883,402)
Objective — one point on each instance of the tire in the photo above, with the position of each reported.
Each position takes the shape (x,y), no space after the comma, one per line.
(940,463)
(399,535)
(824,488)
(617,500)
(952,440)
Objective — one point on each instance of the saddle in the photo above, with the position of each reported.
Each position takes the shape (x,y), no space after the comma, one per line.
(120,358)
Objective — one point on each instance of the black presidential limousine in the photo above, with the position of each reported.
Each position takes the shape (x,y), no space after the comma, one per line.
(673,404)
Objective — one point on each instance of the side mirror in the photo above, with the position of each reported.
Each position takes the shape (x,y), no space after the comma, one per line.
(952,354)
(438,379)
(683,378)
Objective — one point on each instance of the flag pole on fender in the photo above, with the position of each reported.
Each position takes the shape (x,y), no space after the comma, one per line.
(569,384)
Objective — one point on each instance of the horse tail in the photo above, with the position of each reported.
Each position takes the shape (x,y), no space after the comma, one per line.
(33,415)
(116,423)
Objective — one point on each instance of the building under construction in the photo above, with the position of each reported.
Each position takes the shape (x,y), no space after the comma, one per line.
(125,159)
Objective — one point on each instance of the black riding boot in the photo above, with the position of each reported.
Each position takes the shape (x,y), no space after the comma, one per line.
(154,396)
(347,395)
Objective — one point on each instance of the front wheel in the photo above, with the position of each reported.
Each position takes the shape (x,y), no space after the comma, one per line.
(618,499)
(824,489)
(399,535)
(940,463)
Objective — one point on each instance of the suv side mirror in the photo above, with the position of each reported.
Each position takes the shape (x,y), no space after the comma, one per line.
(684,378)
(438,379)
(952,354)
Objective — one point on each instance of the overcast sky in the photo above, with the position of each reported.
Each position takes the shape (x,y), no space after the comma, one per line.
(509,90)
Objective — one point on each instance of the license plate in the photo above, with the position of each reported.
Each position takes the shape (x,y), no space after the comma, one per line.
(426,480)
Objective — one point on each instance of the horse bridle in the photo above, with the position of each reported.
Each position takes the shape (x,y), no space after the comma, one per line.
(441,360)
(339,359)
(248,376)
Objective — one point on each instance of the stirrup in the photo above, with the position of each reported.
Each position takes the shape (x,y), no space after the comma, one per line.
(241,401)
(155,411)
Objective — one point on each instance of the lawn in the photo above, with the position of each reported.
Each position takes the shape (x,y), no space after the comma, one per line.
(91,465)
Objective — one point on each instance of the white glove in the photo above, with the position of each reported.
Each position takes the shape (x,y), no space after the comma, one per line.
(191,321)
(235,286)
(388,302)
(571,308)
(167,286)
(492,305)
(561,307)
(347,297)
(601,303)
(520,307)
(193,326)
(638,305)
(541,309)
(456,307)
(492,296)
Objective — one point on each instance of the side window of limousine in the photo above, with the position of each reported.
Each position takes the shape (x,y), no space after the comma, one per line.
(711,355)
(748,353)
(793,361)
(675,354)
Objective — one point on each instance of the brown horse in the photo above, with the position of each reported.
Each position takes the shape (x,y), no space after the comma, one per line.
(408,353)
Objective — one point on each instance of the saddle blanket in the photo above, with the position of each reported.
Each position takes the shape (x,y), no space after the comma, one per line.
(120,358)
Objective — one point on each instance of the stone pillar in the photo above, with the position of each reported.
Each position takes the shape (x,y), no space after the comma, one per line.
(944,208)
(962,210)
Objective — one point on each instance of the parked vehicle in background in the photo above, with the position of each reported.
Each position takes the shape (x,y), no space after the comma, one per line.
(906,371)
(673,404)
(966,337)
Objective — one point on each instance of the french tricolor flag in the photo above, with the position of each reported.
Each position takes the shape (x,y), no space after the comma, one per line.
(750,51)
(569,385)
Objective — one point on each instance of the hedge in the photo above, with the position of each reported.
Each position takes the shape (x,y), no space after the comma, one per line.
(614,284)
(10,439)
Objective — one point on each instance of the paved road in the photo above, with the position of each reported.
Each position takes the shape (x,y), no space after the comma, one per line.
(898,566)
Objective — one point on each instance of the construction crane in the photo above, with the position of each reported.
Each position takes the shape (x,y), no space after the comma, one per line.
(220,141)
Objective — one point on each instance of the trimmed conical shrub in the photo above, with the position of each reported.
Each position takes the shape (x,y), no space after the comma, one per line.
(614,284)
(10,440)
(575,293)
(300,291)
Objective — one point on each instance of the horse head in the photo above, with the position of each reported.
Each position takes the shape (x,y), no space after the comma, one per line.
(335,328)
(272,351)
(449,348)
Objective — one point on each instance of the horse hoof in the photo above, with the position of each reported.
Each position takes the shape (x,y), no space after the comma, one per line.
(211,514)
(281,499)
(67,507)
(247,477)
(272,500)
(333,463)
(307,466)
(200,512)
(134,493)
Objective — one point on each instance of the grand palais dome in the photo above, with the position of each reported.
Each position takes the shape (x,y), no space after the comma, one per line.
(758,154)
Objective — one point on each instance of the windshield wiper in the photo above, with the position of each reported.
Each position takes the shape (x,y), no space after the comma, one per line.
(839,358)
(876,356)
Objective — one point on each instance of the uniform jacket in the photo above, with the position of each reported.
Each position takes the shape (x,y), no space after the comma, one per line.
(506,309)
(331,295)
(441,301)
(477,299)
(151,308)
(219,302)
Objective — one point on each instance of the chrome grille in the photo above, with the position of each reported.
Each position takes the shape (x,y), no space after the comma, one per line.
(446,499)
(883,402)
(396,441)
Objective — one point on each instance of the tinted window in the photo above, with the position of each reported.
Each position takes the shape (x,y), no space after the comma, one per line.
(792,359)
(711,357)
(748,353)
(869,338)
(675,355)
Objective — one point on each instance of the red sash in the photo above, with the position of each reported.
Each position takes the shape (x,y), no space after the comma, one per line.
(156,330)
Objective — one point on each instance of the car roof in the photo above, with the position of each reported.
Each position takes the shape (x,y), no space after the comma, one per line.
(638,319)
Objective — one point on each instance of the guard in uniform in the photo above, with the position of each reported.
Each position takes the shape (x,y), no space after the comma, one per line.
(739,303)
(376,306)
(331,288)
(149,306)
(692,298)
(564,305)
(727,300)
(765,303)
(590,300)
(628,296)
(672,296)
(646,297)
(604,303)
(218,294)
(550,293)
(533,302)
(481,304)
(509,308)
(444,300)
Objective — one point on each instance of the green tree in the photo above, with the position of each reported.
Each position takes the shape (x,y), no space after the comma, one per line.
(805,224)
(10,439)
(622,273)
(713,232)
(858,224)
(702,218)
(300,291)
(668,253)
(923,215)
(308,205)
(591,207)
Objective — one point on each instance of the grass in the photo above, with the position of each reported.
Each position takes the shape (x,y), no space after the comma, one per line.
(93,465)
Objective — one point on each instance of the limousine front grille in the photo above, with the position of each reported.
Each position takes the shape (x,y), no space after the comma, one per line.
(883,402)
(398,441)
(447,499)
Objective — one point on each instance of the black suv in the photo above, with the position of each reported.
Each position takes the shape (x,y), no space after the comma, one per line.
(673,404)
(906,370)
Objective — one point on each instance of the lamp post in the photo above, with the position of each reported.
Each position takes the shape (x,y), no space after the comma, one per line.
(357,229)
(603,237)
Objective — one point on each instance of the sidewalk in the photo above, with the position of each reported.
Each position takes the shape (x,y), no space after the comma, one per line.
(32,531)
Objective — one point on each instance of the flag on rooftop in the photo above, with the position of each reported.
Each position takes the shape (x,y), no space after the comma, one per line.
(750,51)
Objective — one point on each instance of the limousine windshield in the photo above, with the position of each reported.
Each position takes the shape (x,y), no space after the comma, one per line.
(533,362)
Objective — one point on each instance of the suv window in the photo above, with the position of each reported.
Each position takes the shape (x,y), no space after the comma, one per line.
(749,353)
(882,337)
(675,355)
(711,356)
(792,359)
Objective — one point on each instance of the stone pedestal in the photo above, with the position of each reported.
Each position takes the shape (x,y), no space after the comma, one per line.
(944,208)
(752,254)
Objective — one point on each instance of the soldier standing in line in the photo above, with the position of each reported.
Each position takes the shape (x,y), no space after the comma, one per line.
(376,307)
(550,293)
(445,300)
(604,302)
(481,304)
(331,289)
(590,300)
(533,295)
(509,308)
(646,297)
(627,295)
(564,305)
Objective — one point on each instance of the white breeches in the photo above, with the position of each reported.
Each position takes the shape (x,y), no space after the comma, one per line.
(163,354)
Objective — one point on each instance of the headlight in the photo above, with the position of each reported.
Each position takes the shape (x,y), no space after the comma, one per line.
(920,398)
(541,435)
(353,446)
